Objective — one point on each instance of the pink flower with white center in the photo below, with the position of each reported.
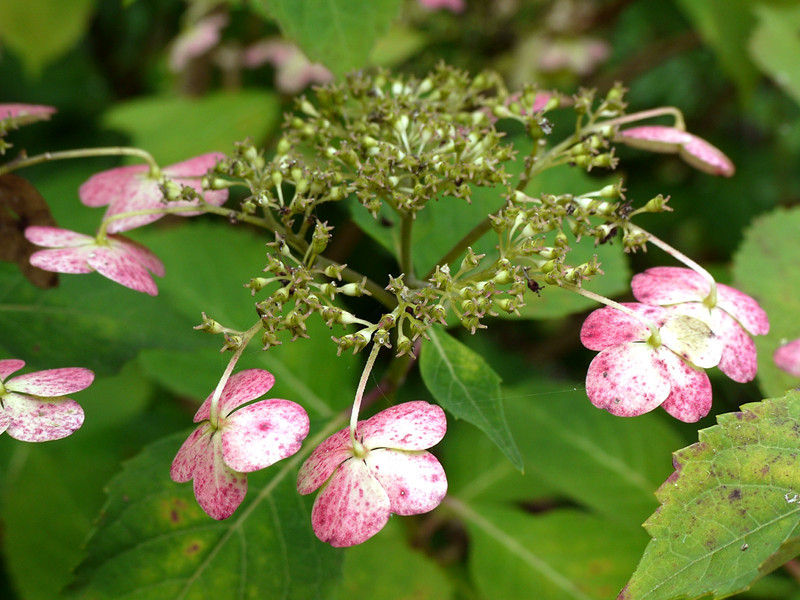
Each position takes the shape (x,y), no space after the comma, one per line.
(218,455)
(787,357)
(732,315)
(636,371)
(116,257)
(385,471)
(25,113)
(694,150)
(33,407)
(136,188)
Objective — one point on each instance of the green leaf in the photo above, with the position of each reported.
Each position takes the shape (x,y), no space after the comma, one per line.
(730,512)
(462,382)
(775,45)
(40,31)
(153,540)
(173,129)
(766,268)
(337,33)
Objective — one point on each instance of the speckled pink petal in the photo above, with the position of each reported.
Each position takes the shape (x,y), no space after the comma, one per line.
(705,157)
(5,420)
(9,366)
(739,358)
(139,253)
(669,285)
(627,380)
(33,112)
(63,260)
(408,426)
(52,383)
(241,387)
(607,326)
(54,237)
(194,450)
(118,266)
(107,187)
(351,507)
(692,339)
(218,488)
(145,195)
(744,309)
(414,481)
(323,461)
(655,138)
(690,397)
(34,420)
(787,357)
(261,434)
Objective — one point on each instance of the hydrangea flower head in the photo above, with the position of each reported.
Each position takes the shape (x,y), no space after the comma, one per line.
(33,407)
(634,373)
(787,357)
(732,315)
(218,456)
(387,471)
(116,257)
(135,188)
(694,150)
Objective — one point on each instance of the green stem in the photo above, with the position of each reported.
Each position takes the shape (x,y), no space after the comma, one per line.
(362,384)
(406,264)
(214,408)
(22,162)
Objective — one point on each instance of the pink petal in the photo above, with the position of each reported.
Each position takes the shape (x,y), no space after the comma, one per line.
(408,426)
(456,6)
(627,380)
(9,366)
(691,338)
(109,186)
(607,326)
(787,357)
(323,461)
(5,420)
(52,383)
(690,398)
(193,167)
(241,387)
(144,195)
(54,237)
(63,260)
(352,506)
(655,138)
(191,453)
(669,285)
(414,481)
(36,112)
(263,433)
(34,420)
(739,358)
(744,309)
(705,157)
(113,262)
(139,253)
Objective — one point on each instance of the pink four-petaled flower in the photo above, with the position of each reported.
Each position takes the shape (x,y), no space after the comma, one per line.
(387,472)
(34,406)
(135,188)
(734,317)
(787,357)
(116,257)
(633,374)
(219,456)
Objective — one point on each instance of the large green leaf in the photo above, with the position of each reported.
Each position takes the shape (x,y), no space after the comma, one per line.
(775,45)
(337,33)
(731,511)
(153,541)
(462,382)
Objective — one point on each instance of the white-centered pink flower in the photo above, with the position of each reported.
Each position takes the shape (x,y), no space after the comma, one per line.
(634,373)
(34,406)
(136,188)
(732,315)
(787,357)
(244,439)
(120,259)
(25,113)
(694,150)
(388,472)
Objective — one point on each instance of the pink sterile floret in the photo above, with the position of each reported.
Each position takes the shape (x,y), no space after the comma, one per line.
(733,318)
(390,473)
(118,258)
(34,407)
(787,357)
(218,456)
(455,6)
(26,112)
(293,71)
(634,374)
(135,188)
(694,150)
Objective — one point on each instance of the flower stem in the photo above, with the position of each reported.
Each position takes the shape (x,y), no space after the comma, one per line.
(245,340)
(29,161)
(362,384)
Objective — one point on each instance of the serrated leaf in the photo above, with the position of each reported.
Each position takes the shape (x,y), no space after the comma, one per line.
(337,33)
(461,381)
(775,45)
(731,511)
(153,541)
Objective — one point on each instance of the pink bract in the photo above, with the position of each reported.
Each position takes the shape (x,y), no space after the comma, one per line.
(632,376)
(787,357)
(392,473)
(34,406)
(25,113)
(733,318)
(134,188)
(117,258)
(456,6)
(219,456)
(293,71)
(694,150)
